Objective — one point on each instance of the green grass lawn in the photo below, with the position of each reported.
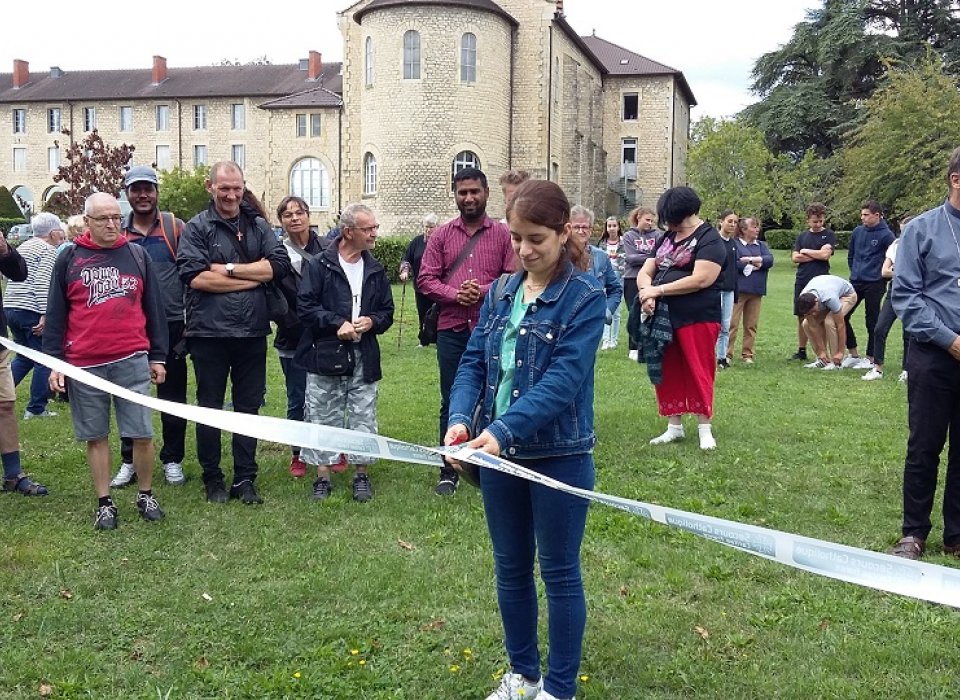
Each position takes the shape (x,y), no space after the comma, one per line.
(395,598)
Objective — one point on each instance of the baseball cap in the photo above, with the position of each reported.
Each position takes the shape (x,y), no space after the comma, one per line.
(140,173)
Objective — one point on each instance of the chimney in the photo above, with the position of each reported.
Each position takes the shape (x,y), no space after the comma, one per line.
(159,73)
(560,7)
(314,66)
(21,73)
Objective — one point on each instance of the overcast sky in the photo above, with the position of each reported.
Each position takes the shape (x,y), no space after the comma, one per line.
(713,43)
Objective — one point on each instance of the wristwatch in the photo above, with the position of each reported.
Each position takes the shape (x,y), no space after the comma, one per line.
(229,268)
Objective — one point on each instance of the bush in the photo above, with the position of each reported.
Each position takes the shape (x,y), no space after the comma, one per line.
(389,252)
(784,238)
(6,223)
(8,207)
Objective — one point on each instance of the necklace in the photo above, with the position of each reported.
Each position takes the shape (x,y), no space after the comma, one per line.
(952,232)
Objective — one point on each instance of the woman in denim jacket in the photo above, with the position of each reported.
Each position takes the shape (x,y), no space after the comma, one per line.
(529,368)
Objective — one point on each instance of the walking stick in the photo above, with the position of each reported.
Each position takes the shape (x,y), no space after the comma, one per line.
(403,298)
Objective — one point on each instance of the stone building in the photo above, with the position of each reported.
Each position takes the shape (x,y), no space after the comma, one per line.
(425,87)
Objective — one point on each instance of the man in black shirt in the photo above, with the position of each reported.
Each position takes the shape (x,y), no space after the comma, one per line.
(811,252)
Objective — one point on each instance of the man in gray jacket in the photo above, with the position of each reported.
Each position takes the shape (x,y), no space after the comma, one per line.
(226,255)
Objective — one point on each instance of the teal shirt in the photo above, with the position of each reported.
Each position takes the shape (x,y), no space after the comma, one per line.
(507,354)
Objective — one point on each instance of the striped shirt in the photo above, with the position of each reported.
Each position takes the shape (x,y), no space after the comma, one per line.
(31,294)
(491,256)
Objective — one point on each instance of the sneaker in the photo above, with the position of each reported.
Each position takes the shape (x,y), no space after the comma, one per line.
(903,377)
(173,471)
(321,488)
(799,355)
(23,484)
(723,363)
(340,466)
(513,686)
(873,374)
(748,360)
(298,468)
(816,364)
(362,488)
(449,479)
(216,491)
(851,362)
(864,363)
(829,367)
(27,415)
(106,518)
(634,355)
(149,508)
(246,492)
(125,476)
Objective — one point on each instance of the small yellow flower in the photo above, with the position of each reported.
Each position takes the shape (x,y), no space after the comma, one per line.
(362,662)
(454,668)
(468,652)
(296,674)
(354,652)
(584,678)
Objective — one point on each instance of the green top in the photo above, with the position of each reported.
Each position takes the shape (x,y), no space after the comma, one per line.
(508,347)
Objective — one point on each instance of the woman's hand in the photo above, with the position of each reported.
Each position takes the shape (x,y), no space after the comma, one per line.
(647,297)
(456,434)
(485,442)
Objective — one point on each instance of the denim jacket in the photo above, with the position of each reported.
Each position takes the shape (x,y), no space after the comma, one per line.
(551,406)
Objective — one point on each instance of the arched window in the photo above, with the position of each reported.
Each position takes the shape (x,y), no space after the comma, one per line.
(411,55)
(368,61)
(464,159)
(369,174)
(468,58)
(309,179)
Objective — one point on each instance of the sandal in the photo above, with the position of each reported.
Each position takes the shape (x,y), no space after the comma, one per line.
(25,485)
(908,548)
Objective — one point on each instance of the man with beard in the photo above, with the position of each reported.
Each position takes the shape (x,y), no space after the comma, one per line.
(463,258)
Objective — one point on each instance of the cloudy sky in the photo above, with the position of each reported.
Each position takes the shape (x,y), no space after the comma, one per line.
(713,43)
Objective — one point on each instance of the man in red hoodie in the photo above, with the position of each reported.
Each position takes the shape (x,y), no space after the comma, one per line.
(105,314)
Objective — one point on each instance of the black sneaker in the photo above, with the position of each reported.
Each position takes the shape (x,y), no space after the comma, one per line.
(321,488)
(245,492)
(216,491)
(723,363)
(106,518)
(799,355)
(149,508)
(449,479)
(362,488)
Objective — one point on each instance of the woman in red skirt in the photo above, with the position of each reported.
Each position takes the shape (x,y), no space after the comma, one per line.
(682,276)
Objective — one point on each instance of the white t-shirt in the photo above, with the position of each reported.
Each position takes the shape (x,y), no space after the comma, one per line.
(892,251)
(354,273)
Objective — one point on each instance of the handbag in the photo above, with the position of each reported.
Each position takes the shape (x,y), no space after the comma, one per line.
(330,358)
(428,329)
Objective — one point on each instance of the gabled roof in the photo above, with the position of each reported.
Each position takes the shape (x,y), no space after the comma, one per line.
(311,97)
(619,61)
(487,5)
(263,81)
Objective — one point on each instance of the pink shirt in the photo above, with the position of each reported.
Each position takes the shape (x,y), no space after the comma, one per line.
(491,256)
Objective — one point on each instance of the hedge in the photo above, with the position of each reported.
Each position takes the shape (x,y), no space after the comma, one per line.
(389,252)
(783,239)
(5,224)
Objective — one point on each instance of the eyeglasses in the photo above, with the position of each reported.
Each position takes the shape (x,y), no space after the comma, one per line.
(366,229)
(581,227)
(107,218)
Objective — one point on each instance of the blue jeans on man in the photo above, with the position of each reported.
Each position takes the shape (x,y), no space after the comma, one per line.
(21,324)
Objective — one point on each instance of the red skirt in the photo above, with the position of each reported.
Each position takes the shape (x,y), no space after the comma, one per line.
(689,367)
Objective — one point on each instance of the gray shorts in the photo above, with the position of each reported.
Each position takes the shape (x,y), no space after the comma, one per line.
(90,408)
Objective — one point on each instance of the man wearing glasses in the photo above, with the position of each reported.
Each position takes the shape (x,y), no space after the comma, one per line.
(226,255)
(105,314)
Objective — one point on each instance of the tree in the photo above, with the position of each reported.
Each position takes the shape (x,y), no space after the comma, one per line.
(899,155)
(8,206)
(184,192)
(91,166)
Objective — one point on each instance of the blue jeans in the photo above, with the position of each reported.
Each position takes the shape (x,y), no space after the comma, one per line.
(525,519)
(21,324)
(726,311)
(295,378)
(450,348)
(611,333)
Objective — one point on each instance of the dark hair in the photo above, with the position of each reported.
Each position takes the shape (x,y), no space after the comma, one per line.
(676,204)
(744,220)
(251,199)
(605,236)
(873,206)
(816,209)
(543,203)
(725,213)
(470,174)
(954,165)
(285,202)
(806,303)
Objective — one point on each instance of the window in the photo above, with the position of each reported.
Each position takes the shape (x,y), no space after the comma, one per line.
(309,180)
(19,121)
(199,117)
(301,125)
(468,58)
(314,124)
(369,174)
(368,61)
(126,119)
(163,117)
(237,117)
(53,120)
(464,159)
(89,118)
(411,55)
(631,106)
(628,160)
(199,155)
(238,154)
(163,158)
(53,159)
(19,160)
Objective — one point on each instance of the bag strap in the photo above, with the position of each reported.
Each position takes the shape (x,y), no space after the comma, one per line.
(471,244)
(301,251)
(171,232)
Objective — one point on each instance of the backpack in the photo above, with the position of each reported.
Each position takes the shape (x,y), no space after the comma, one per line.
(171,232)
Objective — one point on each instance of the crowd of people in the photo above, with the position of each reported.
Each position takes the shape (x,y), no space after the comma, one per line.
(518,309)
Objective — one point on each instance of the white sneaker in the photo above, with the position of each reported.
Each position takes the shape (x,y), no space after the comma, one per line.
(830,366)
(513,686)
(851,362)
(874,373)
(174,473)
(903,377)
(864,364)
(707,441)
(633,355)
(671,435)
(46,414)
(126,476)
(816,364)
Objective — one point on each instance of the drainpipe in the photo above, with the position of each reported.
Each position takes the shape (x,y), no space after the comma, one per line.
(549,102)
(179,134)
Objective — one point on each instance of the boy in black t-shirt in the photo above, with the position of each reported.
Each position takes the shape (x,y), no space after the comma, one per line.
(811,252)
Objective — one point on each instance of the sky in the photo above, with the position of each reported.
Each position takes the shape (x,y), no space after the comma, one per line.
(713,43)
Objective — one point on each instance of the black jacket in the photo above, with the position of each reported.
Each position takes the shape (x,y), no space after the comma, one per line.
(290,329)
(325,303)
(207,239)
(13,267)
